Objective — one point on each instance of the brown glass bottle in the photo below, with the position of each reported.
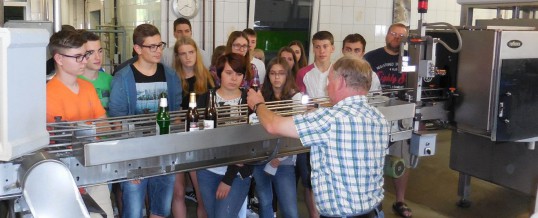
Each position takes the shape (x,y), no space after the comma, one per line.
(192,116)
(210,115)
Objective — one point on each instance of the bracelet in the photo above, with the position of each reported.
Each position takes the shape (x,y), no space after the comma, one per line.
(256,106)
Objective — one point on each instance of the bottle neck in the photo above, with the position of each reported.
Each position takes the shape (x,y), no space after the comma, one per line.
(163,104)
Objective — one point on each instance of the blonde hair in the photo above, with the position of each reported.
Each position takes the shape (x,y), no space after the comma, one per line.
(258,52)
(202,75)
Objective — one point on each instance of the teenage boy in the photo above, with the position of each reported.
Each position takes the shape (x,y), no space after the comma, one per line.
(182,28)
(354,45)
(93,72)
(258,66)
(135,90)
(312,79)
(71,98)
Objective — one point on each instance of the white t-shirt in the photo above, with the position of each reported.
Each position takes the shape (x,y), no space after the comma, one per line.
(315,82)
(376,84)
(260,66)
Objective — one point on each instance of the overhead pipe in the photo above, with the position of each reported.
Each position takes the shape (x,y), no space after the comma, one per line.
(56,15)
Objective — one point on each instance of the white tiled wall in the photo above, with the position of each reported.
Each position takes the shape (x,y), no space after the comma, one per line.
(370,18)
(230,15)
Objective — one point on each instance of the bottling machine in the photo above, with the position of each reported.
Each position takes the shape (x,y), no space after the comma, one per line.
(488,92)
(495,135)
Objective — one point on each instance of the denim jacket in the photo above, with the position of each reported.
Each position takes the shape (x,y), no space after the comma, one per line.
(123,92)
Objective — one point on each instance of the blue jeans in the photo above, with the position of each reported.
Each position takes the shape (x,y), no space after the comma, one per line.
(160,190)
(227,207)
(304,169)
(286,191)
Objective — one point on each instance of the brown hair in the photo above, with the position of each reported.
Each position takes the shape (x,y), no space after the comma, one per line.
(236,62)
(295,68)
(202,75)
(302,61)
(182,20)
(289,88)
(65,39)
(217,52)
(324,35)
(355,37)
(233,36)
(142,31)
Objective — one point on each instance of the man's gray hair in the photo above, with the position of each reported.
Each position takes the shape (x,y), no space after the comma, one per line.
(356,72)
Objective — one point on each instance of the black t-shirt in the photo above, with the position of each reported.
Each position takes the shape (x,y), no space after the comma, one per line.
(201,100)
(157,77)
(386,68)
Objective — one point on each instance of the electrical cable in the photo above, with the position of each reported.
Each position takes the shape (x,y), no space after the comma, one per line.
(441,41)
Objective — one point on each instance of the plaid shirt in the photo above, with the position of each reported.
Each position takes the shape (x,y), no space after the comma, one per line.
(348,147)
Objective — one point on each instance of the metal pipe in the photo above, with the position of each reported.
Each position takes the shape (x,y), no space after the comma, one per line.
(1,13)
(56,15)
(214,28)
(515,12)
(203,26)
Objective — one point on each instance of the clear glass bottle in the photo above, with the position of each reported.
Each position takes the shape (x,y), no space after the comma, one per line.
(210,115)
(192,117)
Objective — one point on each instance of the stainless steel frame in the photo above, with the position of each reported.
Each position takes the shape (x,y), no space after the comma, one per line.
(97,153)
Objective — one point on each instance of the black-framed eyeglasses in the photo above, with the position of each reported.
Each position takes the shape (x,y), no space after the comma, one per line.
(100,51)
(78,58)
(396,34)
(154,47)
(239,46)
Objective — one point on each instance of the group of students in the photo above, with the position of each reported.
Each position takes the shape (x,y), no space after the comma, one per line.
(80,90)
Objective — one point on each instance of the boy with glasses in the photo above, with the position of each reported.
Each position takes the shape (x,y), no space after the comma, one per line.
(70,98)
(384,62)
(135,90)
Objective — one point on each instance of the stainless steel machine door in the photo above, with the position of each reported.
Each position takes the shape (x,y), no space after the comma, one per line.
(518,100)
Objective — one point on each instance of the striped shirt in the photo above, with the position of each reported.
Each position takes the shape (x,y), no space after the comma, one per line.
(348,147)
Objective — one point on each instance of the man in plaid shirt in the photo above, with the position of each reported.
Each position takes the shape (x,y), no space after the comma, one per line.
(348,142)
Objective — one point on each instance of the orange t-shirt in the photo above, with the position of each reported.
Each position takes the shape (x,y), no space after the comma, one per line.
(61,101)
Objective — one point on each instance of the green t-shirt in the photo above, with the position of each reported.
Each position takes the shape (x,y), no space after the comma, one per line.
(102,86)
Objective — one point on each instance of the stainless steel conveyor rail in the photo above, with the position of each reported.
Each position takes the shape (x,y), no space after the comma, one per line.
(124,148)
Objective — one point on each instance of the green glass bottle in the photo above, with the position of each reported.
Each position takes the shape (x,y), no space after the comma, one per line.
(163,117)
